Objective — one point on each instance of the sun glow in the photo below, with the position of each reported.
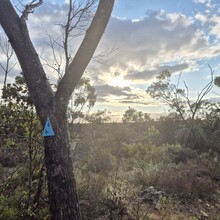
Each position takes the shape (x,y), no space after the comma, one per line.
(118,81)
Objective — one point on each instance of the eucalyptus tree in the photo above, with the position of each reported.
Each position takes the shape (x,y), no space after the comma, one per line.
(63,199)
(132,115)
(186,108)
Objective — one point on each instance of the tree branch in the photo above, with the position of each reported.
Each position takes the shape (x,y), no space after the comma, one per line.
(75,17)
(29,8)
(8,52)
(85,52)
(17,33)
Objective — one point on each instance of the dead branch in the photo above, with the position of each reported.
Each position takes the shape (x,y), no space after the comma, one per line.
(76,17)
(196,105)
(8,52)
(29,8)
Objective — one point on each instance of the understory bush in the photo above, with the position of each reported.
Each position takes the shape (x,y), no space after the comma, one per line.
(182,180)
(9,208)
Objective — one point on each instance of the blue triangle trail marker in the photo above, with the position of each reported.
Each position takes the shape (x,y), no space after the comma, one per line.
(48,130)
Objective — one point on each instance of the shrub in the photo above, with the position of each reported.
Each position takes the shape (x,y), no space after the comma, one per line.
(100,162)
(8,208)
(179,181)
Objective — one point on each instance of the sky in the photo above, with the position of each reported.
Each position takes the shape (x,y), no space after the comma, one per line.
(142,39)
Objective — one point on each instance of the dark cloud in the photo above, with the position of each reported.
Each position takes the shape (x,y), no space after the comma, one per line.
(214,100)
(134,102)
(101,99)
(149,74)
(105,90)
(127,89)
(216,52)
(132,96)
(126,95)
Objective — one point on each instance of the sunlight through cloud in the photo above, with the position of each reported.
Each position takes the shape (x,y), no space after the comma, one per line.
(118,81)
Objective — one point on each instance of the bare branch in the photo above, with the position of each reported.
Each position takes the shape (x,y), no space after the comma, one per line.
(186,96)
(204,92)
(29,8)
(56,64)
(76,17)
(8,52)
(102,57)
(85,52)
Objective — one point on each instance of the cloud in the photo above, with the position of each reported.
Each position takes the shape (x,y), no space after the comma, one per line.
(114,95)
(215,26)
(144,43)
(201,17)
(214,99)
(149,74)
(136,102)
(157,39)
(155,33)
(105,90)
(146,46)
(149,45)
(200,1)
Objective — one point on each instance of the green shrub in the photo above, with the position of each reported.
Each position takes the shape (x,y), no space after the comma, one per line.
(101,162)
(8,208)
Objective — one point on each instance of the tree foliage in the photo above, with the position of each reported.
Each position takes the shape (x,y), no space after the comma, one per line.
(132,115)
(22,157)
(81,102)
(99,117)
(189,110)
(178,99)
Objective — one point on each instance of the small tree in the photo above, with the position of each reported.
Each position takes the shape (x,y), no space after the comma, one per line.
(132,115)
(81,102)
(21,141)
(99,117)
(178,99)
(187,109)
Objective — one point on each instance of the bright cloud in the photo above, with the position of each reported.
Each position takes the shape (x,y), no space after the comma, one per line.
(202,18)
(200,1)
(153,42)
(215,30)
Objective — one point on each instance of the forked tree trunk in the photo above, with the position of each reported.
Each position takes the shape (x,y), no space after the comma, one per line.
(64,204)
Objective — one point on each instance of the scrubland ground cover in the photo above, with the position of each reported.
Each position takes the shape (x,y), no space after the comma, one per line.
(114,164)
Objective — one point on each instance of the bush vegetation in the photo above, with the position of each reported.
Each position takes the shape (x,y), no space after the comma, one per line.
(114,163)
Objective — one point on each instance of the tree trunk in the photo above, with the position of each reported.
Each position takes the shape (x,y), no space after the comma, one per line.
(63,197)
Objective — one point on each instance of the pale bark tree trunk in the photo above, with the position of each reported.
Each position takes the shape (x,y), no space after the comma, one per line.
(64,204)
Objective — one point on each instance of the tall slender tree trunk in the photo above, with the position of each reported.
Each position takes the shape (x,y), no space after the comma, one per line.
(61,182)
